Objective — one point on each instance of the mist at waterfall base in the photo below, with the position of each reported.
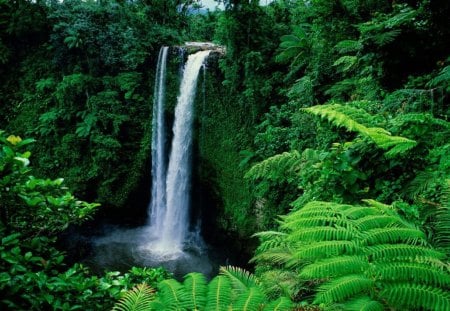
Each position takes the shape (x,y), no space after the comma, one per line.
(170,239)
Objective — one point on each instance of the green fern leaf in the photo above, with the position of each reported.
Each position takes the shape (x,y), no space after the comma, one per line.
(323,249)
(169,294)
(363,304)
(240,279)
(335,114)
(138,298)
(393,235)
(250,300)
(219,294)
(274,256)
(415,296)
(415,272)
(195,289)
(322,234)
(342,288)
(336,266)
(281,304)
(377,221)
(396,251)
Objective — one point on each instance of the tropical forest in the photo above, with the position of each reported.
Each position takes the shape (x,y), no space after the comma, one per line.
(225,155)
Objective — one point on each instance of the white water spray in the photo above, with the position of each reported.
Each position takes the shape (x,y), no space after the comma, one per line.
(172,224)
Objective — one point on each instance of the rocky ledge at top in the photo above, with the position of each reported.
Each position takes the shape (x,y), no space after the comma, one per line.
(193,47)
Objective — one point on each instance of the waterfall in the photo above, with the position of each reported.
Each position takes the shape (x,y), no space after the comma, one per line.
(158,197)
(171,215)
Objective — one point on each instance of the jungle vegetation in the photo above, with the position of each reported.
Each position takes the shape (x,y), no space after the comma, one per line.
(327,154)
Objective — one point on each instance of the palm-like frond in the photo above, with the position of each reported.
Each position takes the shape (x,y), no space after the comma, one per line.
(138,298)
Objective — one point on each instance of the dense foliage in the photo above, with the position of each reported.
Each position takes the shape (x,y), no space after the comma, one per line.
(315,107)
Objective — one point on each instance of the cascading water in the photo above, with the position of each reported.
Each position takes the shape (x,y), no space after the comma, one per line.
(166,240)
(158,197)
(172,223)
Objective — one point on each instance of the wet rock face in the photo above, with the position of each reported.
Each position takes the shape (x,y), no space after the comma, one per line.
(193,47)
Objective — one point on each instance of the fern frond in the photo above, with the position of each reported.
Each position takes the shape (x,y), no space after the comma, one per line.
(322,234)
(194,291)
(323,249)
(138,298)
(342,288)
(393,235)
(364,303)
(414,296)
(441,224)
(169,292)
(336,266)
(281,304)
(347,46)
(275,243)
(377,221)
(395,251)
(275,167)
(359,211)
(219,294)
(317,221)
(413,272)
(274,256)
(382,138)
(276,282)
(250,300)
(241,280)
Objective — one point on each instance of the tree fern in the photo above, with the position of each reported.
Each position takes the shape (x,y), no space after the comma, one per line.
(382,250)
(137,299)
